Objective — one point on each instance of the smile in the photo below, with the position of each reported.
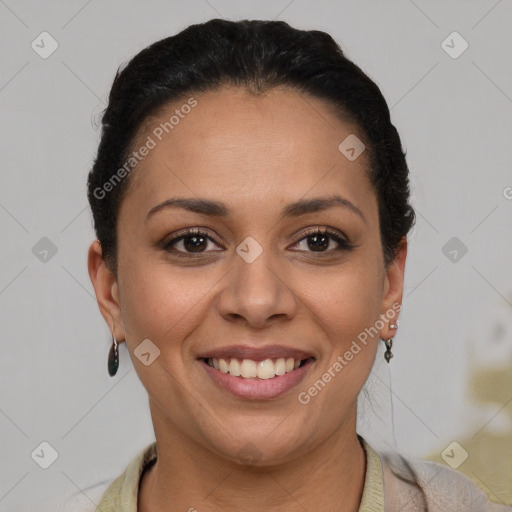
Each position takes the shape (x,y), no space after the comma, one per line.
(248,368)
(251,379)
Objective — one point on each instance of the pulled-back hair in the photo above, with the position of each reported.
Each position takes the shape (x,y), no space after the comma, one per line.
(257,55)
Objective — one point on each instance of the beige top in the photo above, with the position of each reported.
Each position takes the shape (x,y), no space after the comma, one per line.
(122,493)
(393,483)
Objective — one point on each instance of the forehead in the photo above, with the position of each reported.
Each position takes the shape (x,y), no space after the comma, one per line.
(234,144)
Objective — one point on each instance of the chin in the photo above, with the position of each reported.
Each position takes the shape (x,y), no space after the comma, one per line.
(260,447)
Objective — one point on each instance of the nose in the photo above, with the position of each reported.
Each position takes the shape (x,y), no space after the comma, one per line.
(257,293)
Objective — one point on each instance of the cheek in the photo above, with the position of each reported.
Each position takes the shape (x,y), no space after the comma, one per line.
(350,300)
(161,304)
(349,312)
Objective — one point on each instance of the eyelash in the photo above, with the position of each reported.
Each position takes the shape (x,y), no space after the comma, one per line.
(343,244)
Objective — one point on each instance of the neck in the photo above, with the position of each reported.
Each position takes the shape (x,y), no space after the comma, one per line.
(186,477)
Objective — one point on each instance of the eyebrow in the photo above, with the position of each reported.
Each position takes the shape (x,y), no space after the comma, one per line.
(218,209)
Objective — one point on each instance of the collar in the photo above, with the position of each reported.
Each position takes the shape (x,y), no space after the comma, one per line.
(122,493)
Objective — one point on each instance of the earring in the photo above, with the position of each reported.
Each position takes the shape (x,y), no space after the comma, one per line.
(113,357)
(389,344)
(388,354)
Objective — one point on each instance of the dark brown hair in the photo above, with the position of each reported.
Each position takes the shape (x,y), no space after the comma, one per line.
(257,55)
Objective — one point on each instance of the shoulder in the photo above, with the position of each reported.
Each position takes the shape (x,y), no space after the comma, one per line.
(85,500)
(434,485)
(110,495)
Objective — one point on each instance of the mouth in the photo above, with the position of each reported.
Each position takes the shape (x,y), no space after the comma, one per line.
(251,369)
(257,378)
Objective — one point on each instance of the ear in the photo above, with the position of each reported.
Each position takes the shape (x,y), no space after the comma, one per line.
(393,290)
(106,289)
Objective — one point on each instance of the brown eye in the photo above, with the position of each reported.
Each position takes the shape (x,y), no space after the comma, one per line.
(318,242)
(324,241)
(195,243)
(190,242)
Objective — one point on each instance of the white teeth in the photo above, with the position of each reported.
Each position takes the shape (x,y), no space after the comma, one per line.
(280,366)
(266,369)
(247,368)
(224,367)
(234,367)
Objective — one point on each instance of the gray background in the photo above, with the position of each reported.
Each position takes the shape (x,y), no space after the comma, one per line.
(454,117)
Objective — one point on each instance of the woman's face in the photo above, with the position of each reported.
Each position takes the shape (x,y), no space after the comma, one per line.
(257,177)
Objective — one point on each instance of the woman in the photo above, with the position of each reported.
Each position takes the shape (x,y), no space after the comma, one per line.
(251,203)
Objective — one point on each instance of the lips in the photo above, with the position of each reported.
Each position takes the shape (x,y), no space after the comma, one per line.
(256,373)
(255,353)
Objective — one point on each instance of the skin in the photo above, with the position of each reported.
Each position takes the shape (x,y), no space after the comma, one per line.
(256,155)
